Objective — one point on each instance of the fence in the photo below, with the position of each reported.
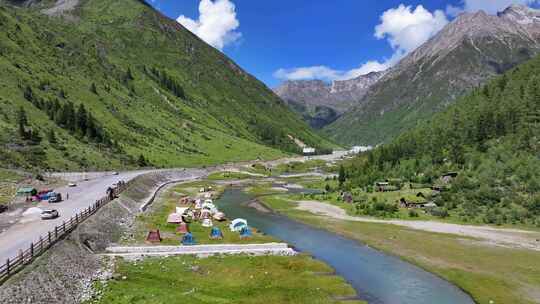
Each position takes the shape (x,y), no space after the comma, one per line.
(25,257)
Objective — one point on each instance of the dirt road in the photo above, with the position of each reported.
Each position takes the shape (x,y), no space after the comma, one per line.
(512,238)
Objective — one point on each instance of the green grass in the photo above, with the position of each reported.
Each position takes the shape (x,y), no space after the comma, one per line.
(228,176)
(233,279)
(226,115)
(486,272)
(260,169)
(299,167)
(8,185)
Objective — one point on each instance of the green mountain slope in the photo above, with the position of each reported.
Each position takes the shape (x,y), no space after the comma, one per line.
(465,54)
(147,87)
(491,138)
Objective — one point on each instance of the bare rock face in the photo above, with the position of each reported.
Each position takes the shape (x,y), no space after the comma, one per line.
(61,7)
(465,54)
(321,103)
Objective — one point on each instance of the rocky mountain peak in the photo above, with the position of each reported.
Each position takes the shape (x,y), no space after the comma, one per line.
(516,20)
(362,82)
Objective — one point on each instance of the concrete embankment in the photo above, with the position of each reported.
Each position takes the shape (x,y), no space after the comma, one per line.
(202,250)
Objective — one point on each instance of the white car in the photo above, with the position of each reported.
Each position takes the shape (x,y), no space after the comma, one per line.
(72,185)
(49,214)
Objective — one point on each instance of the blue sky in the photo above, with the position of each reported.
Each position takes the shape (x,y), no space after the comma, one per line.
(305,39)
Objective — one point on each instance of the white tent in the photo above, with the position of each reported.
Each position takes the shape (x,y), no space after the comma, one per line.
(238,224)
(210,206)
(207,223)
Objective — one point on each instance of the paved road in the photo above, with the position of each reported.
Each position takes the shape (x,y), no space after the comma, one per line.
(30,228)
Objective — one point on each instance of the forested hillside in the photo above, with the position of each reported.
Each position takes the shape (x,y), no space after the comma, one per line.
(113,84)
(491,138)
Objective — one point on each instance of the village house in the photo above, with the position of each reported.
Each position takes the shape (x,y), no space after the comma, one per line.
(308,151)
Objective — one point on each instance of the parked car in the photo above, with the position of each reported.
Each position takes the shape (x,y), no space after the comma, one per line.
(72,185)
(3,208)
(55,198)
(49,214)
(115,173)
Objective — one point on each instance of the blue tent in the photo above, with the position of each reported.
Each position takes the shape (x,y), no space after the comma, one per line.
(245,232)
(216,233)
(188,239)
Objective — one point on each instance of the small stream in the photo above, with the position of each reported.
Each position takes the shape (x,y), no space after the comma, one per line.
(378,278)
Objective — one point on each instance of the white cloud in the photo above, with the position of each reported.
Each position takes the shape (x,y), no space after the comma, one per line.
(404,28)
(489,6)
(314,72)
(325,73)
(217,23)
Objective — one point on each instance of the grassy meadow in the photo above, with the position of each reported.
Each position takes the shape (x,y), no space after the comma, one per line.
(233,279)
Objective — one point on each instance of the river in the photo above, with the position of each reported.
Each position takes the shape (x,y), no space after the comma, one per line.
(377,277)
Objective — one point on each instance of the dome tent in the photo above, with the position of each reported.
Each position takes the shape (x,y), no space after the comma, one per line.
(237,225)
(216,233)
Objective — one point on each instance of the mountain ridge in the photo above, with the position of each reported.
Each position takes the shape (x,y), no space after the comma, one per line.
(312,99)
(152,87)
(465,54)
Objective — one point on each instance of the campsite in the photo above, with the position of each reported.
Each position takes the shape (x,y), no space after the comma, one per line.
(181,196)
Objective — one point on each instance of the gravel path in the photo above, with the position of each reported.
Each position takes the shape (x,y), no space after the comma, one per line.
(512,238)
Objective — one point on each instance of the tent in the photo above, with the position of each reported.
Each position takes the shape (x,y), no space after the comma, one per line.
(188,216)
(219,216)
(26,191)
(153,237)
(183,228)
(245,232)
(216,233)
(237,224)
(181,210)
(210,206)
(188,239)
(198,204)
(206,214)
(175,218)
(184,200)
(207,223)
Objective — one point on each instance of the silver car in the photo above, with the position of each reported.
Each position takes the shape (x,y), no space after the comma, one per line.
(49,214)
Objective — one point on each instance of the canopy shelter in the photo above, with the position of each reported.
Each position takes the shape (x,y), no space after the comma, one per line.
(237,225)
(26,191)
(175,218)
